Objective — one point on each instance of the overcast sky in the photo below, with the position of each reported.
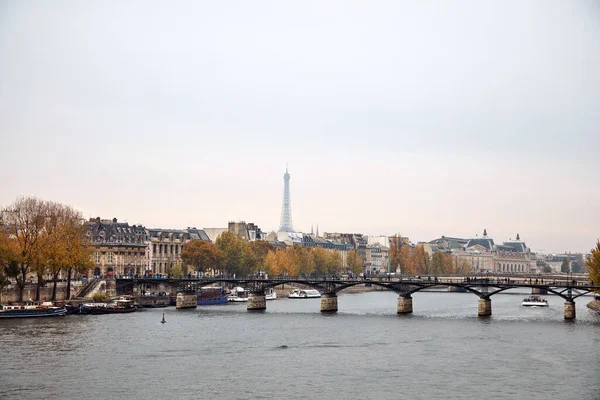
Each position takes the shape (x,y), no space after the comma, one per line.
(424,118)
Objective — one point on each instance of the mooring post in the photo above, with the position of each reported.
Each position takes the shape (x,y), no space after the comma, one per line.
(257,302)
(405,305)
(484,307)
(329,302)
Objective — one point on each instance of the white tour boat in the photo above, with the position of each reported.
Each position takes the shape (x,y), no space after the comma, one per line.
(270,294)
(535,301)
(239,294)
(304,294)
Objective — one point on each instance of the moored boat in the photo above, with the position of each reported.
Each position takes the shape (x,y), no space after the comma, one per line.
(304,294)
(238,294)
(211,295)
(32,309)
(120,306)
(270,294)
(535,301)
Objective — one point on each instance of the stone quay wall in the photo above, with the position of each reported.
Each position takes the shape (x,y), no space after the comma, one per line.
(594,305)
(10,294)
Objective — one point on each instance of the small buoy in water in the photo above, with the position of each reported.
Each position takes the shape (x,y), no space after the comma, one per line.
(163,320)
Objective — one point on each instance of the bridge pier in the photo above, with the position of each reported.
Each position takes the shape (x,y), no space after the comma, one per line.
(484,307)
(539,291)
(329,302)
(405,305)
(570,312)
(257,302)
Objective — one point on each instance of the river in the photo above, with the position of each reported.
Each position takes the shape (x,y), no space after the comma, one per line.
(292,351)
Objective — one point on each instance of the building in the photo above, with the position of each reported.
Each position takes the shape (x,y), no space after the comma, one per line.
(483,255)
(247,231)
(377,258)
(119,249)
(165,246)
(214,233)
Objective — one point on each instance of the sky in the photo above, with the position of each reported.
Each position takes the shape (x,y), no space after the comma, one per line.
(423,118)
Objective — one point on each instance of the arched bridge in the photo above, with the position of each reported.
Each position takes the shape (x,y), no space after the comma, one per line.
(482,286)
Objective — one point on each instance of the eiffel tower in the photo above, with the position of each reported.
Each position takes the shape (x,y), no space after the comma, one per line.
(286,208)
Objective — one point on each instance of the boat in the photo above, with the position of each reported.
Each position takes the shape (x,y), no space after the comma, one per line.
(535,301)
(212,295)
(304,294)
(122,305)
(32,309)
(270,294)
(238,294)
(93,308)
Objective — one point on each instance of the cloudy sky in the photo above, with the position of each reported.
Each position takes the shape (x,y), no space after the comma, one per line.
(424,118)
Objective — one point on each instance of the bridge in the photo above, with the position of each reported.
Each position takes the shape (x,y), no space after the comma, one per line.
(484,287)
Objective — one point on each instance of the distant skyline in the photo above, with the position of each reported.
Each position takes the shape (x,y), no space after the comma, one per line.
(418,118)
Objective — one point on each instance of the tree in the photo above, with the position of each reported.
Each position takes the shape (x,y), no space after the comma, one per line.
(24,222)
(354,262)
(278,262)
(437,263)
(177,272)
(9,255)
(236,254)
(396,247)
(593,264)
(333,263)
(576,268)
(321,258)
(202,255)
(3,279)
(260,249)
(301,260)
(420,260)
(463,267)
(406,261)
(79,251)
(565,266)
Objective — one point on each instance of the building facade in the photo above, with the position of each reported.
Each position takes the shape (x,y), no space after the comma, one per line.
(483,255)
(165,246)
(119,249)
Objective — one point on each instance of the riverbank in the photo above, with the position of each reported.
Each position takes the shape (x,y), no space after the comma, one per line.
(594,305)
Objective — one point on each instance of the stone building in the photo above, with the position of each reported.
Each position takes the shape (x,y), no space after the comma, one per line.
(377,257)
(119,249)
(164,248)
(483,255)
(247,231)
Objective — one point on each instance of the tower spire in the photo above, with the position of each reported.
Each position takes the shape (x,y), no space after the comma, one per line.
(286,207)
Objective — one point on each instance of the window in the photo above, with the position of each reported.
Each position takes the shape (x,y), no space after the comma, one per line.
(110,257)
(98,257)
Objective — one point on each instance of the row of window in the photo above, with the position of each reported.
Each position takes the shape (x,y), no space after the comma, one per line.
(174,249)
(110,256)
(505,267)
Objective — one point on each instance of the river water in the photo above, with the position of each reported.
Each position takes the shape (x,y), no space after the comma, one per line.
(292,351)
